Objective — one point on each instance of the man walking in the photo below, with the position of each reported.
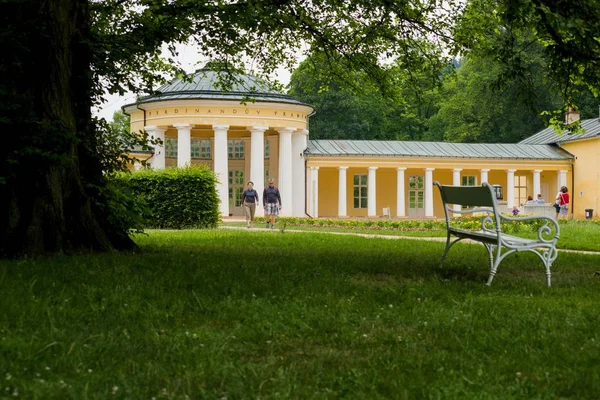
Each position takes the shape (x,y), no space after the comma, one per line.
(271,203)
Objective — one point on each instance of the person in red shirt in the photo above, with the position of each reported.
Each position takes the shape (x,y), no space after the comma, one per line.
(562,199)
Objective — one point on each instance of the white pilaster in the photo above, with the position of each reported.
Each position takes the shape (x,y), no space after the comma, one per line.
(221,164)
(299,142)
(456,182)
(537,187)
(372,192)
(400,195)
(429,192)
(562,179)
(342,200)
(184,144)
(285,183)
(484,175)
(510,188)
(257,162)
(158,160)
(314,191)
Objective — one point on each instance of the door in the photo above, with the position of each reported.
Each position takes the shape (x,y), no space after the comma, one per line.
(236,190)
(416,196)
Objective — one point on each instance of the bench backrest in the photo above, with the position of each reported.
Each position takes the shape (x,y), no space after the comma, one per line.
(469,196)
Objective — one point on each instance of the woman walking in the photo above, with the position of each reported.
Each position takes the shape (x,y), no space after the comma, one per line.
(250,201)
(562,199)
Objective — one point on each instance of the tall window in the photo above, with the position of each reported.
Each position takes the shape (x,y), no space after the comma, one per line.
(267,175)
(195,148)
(520,190)
(236,188)
(235,149)
(360,191)
(205,149)
(170,147)
(469,180)
(201,149)
(267,149)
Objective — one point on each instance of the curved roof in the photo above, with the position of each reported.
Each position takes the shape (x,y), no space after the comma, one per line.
(204,85)
(549,135)
(435,149)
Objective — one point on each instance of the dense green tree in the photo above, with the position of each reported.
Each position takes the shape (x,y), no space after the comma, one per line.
(349,106)
(474,108)
(566,32)
(59,56)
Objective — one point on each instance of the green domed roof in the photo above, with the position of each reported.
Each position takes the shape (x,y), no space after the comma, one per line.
(204,85)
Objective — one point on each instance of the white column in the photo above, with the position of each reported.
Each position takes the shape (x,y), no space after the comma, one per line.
(562,179)
(429,192)
(158,160)
(342,200)
(400,195)
(184,144)
(299,142)
(537,187)
(484,175)
(257,162)
(314,192)
(510,188)
(285,183)
(372,192)
(222,167)
(456,182)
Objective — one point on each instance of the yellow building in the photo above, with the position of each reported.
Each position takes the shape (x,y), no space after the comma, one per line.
(268,138)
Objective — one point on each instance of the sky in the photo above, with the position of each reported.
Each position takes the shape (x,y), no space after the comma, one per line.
(190,59)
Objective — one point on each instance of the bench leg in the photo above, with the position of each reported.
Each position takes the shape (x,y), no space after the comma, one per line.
(548,257)
(494,263)
(446,250)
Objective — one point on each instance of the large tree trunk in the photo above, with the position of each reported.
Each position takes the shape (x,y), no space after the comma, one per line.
(51,197)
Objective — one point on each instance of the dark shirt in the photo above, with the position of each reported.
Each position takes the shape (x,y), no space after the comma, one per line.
(271,195)
(250,196)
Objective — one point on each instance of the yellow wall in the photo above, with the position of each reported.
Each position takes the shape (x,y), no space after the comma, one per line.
(586,191)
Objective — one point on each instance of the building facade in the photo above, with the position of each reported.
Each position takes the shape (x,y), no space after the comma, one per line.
(267,137)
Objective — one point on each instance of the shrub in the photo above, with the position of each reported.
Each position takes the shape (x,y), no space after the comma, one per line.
(176,198)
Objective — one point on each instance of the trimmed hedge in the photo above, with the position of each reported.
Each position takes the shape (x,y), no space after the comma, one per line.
(176,198)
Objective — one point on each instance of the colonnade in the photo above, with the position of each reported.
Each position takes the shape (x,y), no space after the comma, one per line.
(291,171)
(401,211)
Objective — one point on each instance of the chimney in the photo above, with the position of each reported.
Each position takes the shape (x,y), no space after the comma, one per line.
(571,116)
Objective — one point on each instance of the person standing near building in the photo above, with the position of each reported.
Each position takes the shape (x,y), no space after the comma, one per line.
(271,203)
(562,199)
(250,201)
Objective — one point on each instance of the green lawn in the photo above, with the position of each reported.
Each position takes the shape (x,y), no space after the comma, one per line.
(227,314)
(575,235)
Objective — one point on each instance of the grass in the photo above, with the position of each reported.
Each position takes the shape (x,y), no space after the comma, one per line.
(574,234)
(227,314)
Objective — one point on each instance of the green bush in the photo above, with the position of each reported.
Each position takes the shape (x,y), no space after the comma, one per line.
(176,198)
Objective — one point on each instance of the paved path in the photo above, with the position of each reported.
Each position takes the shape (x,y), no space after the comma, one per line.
(388,237)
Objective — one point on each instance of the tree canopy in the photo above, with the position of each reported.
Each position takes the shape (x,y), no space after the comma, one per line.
(60,56)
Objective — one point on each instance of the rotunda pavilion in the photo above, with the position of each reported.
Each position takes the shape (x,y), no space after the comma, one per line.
(249,133)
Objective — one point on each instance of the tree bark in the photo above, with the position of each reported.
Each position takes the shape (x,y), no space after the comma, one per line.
(51,197)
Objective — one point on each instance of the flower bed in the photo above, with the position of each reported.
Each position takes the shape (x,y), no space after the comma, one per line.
(471,223)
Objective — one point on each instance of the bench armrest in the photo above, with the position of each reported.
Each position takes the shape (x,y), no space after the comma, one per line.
(544,231)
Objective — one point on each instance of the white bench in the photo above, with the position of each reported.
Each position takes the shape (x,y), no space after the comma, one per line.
(482,199)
